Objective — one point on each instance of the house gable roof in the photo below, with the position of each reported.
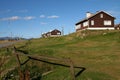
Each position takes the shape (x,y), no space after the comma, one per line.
(85,19)
(55,30)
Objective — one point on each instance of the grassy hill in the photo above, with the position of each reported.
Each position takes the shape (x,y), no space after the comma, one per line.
(97,51)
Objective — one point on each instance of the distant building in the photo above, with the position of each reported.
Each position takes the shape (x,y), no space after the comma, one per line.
(53,33)
(99,21)
(117,27)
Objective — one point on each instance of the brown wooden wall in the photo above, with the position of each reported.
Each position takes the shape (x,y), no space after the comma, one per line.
(54,32)
(99,22)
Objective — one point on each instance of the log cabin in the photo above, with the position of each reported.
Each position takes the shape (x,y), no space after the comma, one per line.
(101,20)
(53,33)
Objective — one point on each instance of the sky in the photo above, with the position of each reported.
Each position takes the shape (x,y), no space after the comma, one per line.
(31,18)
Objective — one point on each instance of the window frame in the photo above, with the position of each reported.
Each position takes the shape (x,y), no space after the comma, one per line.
(85,24)
(101,15)
(107,22)
(78,26)
(92,22)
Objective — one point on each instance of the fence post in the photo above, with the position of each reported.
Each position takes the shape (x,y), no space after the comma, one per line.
(67,63)
(21,75)
(27,75)
(71,69)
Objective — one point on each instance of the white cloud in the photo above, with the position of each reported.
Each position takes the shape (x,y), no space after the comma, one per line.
(13,18)
(43,23)
(29,17)
(53,16)
(42,16)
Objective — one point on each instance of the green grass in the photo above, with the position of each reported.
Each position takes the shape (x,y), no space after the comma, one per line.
(98,52)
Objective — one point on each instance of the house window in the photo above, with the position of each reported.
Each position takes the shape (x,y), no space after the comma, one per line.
(92,22)
(58,33)
(101,15)
(85,23)
(107,22)
(78,26)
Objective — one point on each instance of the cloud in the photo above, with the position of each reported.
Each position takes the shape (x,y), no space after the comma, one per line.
(13,18)
(53,16)
(43,23)
(42,16)
(29,18)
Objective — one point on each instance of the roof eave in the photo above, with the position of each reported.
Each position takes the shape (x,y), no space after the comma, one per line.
(81,21)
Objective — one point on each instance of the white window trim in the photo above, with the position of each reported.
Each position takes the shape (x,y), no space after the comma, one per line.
(107,22)
(78,26)
(101,15)
(85,23)
(92,22)
(58,33)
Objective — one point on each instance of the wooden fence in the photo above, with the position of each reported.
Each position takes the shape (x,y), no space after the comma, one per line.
(65,62)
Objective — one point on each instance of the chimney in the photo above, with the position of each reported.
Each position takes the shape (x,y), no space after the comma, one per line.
(88,14)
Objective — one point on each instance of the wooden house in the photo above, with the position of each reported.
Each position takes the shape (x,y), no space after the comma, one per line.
(117,27)
(101,20)
(53,33)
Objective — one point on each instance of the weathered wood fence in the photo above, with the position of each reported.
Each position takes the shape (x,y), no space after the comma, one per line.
(65,62)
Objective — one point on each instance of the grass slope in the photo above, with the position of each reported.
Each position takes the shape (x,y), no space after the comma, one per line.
(97,51)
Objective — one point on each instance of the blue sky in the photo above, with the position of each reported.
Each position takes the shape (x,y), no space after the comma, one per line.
(30,18)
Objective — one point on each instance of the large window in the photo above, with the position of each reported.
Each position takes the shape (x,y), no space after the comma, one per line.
(92,22)
(58,33)
(107,22)
(85,23)
(78,26)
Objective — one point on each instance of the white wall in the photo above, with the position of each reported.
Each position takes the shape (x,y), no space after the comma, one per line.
(103,28)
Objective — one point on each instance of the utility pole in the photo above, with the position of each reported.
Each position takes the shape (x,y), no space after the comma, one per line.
(62,30)
(11,36)
(10,33)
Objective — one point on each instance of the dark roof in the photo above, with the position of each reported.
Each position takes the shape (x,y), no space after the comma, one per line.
(51,31)
(55,30)
(85,19)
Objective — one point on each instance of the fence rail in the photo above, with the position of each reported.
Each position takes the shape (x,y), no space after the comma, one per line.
(65,62)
